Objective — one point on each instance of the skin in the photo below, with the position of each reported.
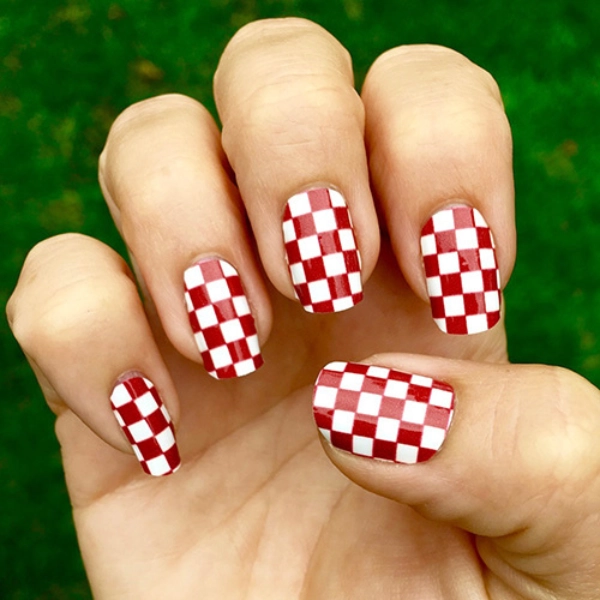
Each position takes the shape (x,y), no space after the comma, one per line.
(262,508)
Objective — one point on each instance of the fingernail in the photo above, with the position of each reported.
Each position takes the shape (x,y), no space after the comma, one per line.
(381,413)
(463,280)
(321,251)
(221,320)
(147,425)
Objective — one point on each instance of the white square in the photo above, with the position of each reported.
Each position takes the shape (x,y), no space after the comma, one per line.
(443,220)
(362,445)
(326,434)
(207,317)
(228,270)
(309,247)
(218,290)
(232,331)
(325,220)
(428,244)
(221,357)
(492,301)
(337,366)
(347,241)
(454,306)
(478,219)
(165,439)
(253,345)
(421,380)
(158,465)
(240,303)
(448,263)
(368,404)
(487,258)
(297,273)
(343,421)
(396,389)
(433,437)
(299,205)
(120,396)
(477,323)
(140,431)
(146,404)
(244,367)
(407,454)
(289,231)
(334,264)
(434,287)
(414,412)
(325,396)
(352,381)
(379,372)
(472,282)
(466,239)
(355,282)
(319,291)
(193,277)
(188,302)
(343,303)
(336,198)
(387,429)
(442,398)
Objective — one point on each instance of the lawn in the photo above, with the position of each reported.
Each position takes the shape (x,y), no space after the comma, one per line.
(68,68)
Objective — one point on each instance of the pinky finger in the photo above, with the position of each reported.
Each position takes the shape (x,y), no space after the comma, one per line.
(77,315)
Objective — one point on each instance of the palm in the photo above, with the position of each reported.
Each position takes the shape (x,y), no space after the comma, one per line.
(257,510)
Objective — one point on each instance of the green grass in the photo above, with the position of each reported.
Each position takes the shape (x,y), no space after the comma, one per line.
(68,68)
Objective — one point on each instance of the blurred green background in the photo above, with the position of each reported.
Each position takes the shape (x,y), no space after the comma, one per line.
(67,68)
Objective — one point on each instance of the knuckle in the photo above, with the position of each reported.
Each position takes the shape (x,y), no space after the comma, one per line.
(147,111)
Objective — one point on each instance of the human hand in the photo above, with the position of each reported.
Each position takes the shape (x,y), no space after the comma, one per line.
(506,510)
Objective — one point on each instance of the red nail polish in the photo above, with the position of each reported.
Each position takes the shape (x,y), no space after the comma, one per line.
(463,280)
(382,413)
(221,320)
(147,425)
(321,251)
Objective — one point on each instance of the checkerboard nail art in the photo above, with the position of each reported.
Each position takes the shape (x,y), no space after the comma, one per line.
(321,251)
(147,425)
(463,281)
(221,320)
(381,413)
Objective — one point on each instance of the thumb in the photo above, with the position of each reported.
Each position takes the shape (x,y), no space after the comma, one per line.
(508,453)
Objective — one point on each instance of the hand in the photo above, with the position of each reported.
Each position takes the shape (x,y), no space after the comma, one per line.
(507,509)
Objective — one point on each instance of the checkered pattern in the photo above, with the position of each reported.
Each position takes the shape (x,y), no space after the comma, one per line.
(463,281)
(221,320)
(321,251)
(147,425)
(380,413)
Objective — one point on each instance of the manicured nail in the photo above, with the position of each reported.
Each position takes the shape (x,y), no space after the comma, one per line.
(463,280)
(147,425)
(221,320)
(321,251)
(380,413)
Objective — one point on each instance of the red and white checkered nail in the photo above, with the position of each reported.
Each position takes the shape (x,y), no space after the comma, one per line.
(381,413)
(463,280)
(221,319)
(146,424)
(321,251)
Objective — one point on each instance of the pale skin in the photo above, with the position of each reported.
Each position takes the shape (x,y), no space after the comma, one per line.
(262,508)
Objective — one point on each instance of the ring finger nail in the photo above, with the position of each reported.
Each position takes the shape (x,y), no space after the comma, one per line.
(221,319)
(147,425)
(463,280)
(321,251)
(381,413)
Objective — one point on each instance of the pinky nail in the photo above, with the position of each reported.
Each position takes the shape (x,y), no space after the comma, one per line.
(147,425)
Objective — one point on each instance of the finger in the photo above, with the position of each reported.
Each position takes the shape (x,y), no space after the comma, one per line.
(440,153)
(78,318)
(506,452)
(293,132)
(165,178)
